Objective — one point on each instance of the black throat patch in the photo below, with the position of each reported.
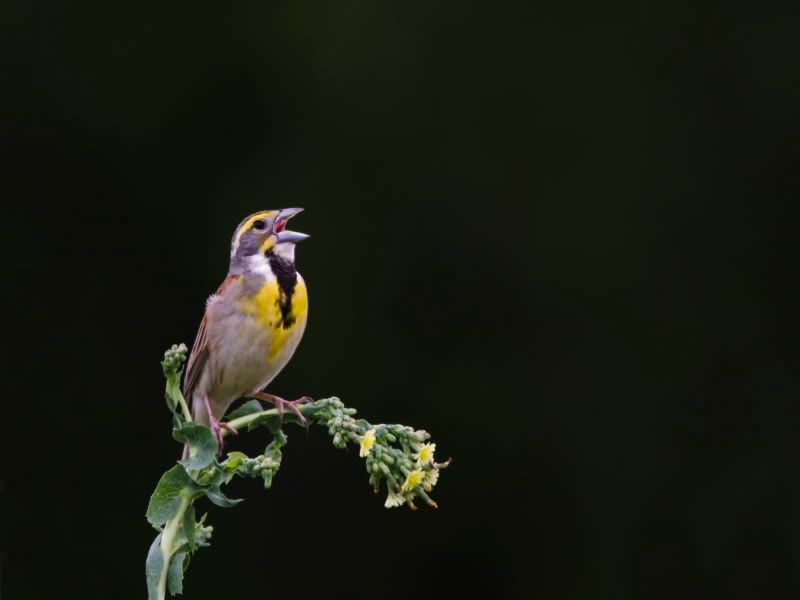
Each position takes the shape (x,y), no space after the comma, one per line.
(286,275)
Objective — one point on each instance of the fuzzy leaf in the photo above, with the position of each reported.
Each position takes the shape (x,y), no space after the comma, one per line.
(279,440)
(201,440)
(248,408)
(166,498)
(217,497)
(234,460)
(309,410)
(152,568)
(211,476)
(272,422)
(177,565)
(188,527)
(172,391)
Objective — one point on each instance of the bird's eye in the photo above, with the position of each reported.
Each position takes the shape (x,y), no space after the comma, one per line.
(259,225)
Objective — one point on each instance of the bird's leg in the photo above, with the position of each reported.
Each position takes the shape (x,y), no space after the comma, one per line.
(282,404)
(217,426)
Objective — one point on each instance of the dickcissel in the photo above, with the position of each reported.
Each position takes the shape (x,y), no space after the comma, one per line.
(252,324)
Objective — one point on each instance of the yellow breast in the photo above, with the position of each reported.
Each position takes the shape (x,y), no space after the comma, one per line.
(265,306)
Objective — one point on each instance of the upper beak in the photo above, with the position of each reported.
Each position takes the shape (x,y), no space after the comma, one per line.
(286,235)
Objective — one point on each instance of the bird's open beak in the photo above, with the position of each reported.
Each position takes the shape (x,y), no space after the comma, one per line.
(281,233)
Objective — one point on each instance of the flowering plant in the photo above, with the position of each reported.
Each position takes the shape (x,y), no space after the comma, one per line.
(398,456)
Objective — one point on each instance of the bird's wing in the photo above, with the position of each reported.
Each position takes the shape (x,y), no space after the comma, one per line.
(200,349)
(197,360)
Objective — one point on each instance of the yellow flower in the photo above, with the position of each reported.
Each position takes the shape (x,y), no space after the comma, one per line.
(367,442)
(413,480)
(425,454)
(431,477)
(393,500)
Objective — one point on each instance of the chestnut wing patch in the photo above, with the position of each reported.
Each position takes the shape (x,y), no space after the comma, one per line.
(200,350)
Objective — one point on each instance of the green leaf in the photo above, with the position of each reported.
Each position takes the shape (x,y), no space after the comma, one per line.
(166,498)
(234,460)
(309,410)
(203,532)
(272,421)
(248,408)
(208,477)
(170,393)
(217,497)
(152,568)
(188,527)
(177,565)
(202,443)
(273,449)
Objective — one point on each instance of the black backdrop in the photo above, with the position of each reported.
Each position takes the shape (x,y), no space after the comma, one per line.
(551,235)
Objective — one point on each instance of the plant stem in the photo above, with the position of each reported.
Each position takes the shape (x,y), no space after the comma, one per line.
(168,543)
(245,420)
(186,412)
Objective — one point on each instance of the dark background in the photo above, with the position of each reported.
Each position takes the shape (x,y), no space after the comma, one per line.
(558,237)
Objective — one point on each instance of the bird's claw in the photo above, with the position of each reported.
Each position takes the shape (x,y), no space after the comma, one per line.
(216,429)
(293,406)
(282,405)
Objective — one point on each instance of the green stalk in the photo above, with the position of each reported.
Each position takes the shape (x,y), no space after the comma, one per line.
(244,421)
(168,543)
(186,412)
(241,422)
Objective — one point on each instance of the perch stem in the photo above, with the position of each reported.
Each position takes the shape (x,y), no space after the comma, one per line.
(168,543)
(247,419)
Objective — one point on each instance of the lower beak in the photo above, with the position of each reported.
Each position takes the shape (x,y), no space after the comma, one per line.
(286,235)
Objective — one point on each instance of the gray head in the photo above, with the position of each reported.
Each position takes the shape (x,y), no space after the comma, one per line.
(262,235)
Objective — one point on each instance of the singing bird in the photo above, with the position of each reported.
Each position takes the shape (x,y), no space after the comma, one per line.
(252,324)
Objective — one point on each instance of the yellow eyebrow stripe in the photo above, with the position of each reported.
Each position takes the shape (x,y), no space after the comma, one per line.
(248,223)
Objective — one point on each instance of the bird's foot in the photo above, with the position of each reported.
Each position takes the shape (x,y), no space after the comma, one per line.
(216,429)
(217,426)
(282,404)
